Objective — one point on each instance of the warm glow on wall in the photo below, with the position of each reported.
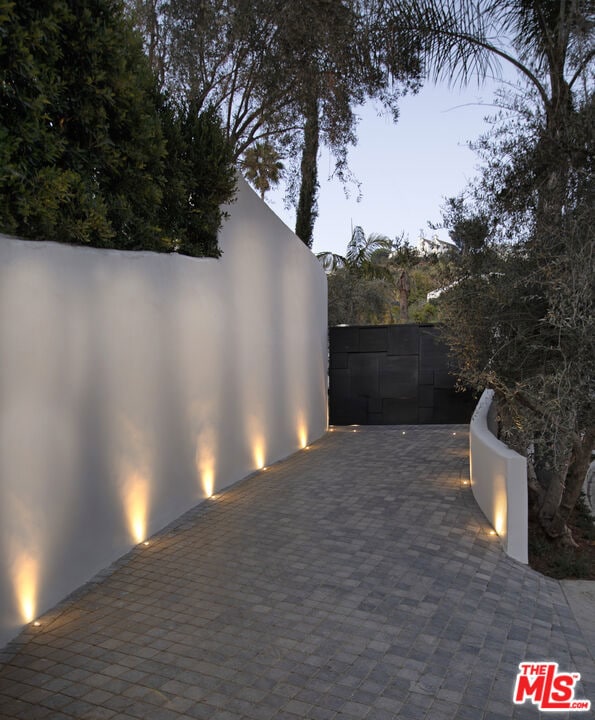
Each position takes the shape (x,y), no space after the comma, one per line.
(205,461)
(136,501)
(302,431)
(207,481)
(135,463)
(258,453)
(25,584)
(256,440)
(302,437)
(500,521)
(500,507)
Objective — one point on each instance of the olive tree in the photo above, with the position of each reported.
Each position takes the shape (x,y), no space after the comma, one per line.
(521,312)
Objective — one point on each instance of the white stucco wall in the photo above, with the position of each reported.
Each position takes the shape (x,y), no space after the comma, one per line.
(499,482)
(133,385)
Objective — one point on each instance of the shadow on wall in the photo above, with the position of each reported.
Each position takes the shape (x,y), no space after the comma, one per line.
(135,385)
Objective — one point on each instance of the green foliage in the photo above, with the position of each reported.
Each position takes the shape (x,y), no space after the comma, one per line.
(286,73)
(355,300)
(468,230)
(262,167)
(82,149)
(82,157)
(201,178)
(426,313)
(376,278)
(366,256)
(521,314)
(359,291)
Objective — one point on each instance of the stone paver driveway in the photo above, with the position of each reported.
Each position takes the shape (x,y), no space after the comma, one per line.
(357,579)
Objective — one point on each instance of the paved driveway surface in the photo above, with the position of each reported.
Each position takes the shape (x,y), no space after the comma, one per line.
(357,579)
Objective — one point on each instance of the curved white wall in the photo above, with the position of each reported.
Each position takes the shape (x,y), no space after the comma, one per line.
(499,482)
(134,385)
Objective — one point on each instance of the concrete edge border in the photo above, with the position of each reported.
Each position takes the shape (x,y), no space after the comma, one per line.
(499,482)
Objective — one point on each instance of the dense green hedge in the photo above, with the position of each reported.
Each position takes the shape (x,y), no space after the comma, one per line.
(90,153)
(200,173)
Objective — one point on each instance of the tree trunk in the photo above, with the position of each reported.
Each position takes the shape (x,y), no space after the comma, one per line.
(563,488)
(581,457)
(404,289)
(307,207)
(550,518)
(554,161)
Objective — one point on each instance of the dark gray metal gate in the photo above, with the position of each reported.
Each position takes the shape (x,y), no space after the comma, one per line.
(392,375)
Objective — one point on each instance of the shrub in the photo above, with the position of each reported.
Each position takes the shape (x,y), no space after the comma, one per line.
(84,137)
(201,177)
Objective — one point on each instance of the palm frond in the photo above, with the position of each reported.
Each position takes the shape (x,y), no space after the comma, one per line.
(444,29)
(465,39)
(331,262)
(361,248)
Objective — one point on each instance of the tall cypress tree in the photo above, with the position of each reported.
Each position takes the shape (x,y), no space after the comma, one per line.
(307,209)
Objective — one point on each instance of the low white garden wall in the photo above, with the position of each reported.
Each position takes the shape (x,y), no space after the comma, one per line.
(135,385)
(499,482)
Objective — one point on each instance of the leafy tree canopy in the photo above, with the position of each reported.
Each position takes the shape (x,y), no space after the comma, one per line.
(282,72)
(520,306)
(377,281)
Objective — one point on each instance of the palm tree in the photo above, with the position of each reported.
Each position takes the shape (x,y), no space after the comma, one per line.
(262,167)
(359,287)
(362,257)
(548,42)
(402,259)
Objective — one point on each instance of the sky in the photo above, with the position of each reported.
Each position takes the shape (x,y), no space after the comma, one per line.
(406,169)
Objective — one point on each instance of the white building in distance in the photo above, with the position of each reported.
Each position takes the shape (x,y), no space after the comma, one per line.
(435,245)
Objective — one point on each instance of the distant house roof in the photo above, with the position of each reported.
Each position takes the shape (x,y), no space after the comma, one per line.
(435,244)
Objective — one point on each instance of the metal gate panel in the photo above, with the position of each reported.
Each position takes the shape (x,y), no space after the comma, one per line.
(392,375)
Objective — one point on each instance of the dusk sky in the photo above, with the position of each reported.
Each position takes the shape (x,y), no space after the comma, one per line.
(405,169)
